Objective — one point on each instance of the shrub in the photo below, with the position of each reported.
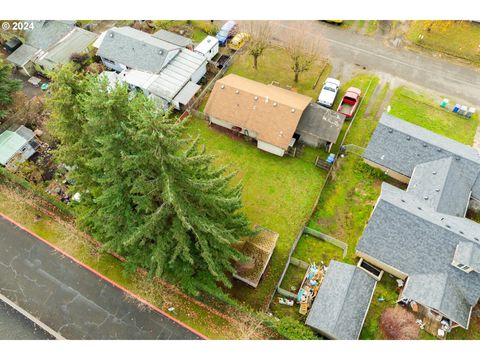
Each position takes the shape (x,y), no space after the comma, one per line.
(294,330)
(399,324)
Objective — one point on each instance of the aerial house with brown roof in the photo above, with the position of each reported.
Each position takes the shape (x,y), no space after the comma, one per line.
(266,113)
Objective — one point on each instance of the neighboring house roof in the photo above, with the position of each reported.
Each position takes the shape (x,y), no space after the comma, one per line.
(173,78)
(46,33)
(410,236)
(438,291)
(173,38)
(320,122)
(176,74)
(187,93)
(444,185)
(342,302)
(136,49)
(76,41)
(400,146)
(23,55)
(467,253)
(272,112)
(12,141)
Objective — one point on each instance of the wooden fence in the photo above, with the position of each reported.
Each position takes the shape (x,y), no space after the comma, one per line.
(319,235)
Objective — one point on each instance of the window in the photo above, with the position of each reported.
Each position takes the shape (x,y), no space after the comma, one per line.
(463,267)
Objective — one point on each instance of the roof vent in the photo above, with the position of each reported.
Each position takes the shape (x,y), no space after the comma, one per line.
(434,172)
(160,52)
(237,92)
(402,200)
(408,137)
(437,190)
(419,208)
(255,98)
(425,197)
(457,157)
(475,238)
(111,34)
(390,131)
(461,232)
(424,145)
(293,110)
(274,104)
(448,226)
(222,87)
(439,150)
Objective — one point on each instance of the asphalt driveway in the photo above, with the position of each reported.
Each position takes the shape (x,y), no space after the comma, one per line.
(72,299)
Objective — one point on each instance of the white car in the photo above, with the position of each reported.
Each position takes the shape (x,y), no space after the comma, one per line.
(329,92)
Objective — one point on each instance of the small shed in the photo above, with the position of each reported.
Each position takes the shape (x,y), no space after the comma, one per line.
(11,45)
(17,145)
(320,126)
(259,249)
(339,310)
(208,47)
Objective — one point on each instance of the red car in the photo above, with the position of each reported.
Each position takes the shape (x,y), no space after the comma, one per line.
(350,102)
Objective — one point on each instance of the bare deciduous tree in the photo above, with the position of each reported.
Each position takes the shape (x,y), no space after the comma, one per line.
(399,324)
(304,51)
(260,40)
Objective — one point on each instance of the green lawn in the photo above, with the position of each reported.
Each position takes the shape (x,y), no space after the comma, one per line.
(311,249)
(460,38)
(423,110)
(384,297)
(15,203)
(274,65)
(349,196)
(279,194)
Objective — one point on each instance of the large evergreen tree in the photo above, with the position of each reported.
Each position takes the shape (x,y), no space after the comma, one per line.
(153,195)
(7,87)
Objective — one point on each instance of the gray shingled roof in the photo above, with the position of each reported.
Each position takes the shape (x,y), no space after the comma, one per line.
(323,123)
(77,41)
(438,291)
(136,49)
(413,238)
(340,307)
(400,146)
(173,38)
(22,55)
(467,253)
(444,185)
(46,33)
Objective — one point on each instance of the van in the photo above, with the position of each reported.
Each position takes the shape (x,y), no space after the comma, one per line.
(227,31)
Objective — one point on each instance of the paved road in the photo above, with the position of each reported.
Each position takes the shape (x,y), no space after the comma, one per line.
(15,326)
(354,50)
(71,299)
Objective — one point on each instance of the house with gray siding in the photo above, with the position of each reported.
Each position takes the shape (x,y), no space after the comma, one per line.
(421,235)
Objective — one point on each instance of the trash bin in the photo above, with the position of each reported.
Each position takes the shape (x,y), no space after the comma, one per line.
(463,110)
(444,103)
(470,112)
(456,108)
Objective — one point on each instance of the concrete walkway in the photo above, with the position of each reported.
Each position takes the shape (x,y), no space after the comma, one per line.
(72,299)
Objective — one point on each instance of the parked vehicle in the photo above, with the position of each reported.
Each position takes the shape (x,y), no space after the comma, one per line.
(350,102)
(239,40)
(227,31)
(329,92)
